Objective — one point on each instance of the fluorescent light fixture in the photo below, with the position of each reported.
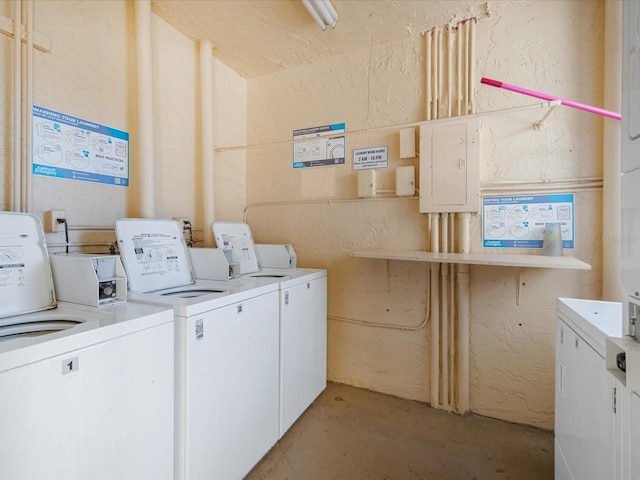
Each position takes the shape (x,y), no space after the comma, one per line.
(322,12)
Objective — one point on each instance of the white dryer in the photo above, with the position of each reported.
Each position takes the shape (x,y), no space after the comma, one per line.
(303,319)
(227,352)
(86,392)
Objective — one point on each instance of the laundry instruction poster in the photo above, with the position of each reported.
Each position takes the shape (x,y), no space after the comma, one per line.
(318,146)
(518,221)
(76,149)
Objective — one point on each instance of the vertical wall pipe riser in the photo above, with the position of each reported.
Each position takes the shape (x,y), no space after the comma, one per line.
(463,318)
(612,289)
(444,317)
(28,151)
(428,75)
(435,314)
(16,170)
(146,178)
(208,163)
(452,314)
(449,54)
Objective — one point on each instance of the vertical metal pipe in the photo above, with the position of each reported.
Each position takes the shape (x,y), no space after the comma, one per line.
(435,315)
(16,184)
(452,310)
(441,53)
(472,62)
(428,75)
(436,86)
(208,164)
(463,319)
(466,68)
(144,87)
(449,70)
(459,70)
(612,289)
(444,315)
(28,152)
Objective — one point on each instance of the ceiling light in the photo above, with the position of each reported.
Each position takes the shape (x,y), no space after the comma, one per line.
(322,12)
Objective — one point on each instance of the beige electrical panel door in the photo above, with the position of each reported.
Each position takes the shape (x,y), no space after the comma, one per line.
(449,166)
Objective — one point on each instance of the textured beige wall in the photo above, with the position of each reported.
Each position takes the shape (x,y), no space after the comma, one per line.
(91,73)
(554,47)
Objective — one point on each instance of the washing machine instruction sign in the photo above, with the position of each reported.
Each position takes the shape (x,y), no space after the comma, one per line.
(312,149)
(12,265)
(518,221)
(76,149)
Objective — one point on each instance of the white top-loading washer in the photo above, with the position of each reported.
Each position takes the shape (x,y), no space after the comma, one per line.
(86,392)
(227,352)
(303,320)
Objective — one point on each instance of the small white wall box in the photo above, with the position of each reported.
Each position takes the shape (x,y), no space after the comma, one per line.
(367,184)
(214,263)
(88,280)
(276,256)
(405,181)
(408,142)
(450,165)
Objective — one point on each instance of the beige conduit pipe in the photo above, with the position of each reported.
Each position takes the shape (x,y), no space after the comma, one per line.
(464,280)
(435,313)
(16,184)
(146,178)
(444,314)
(208,171)
(28,156)
(612,289)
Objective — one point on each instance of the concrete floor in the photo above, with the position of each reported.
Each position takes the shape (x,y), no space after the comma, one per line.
(351,433)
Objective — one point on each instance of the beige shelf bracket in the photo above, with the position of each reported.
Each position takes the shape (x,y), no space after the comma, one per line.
(552,107)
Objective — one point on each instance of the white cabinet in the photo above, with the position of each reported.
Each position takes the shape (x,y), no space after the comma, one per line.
(584,414)
(303,342)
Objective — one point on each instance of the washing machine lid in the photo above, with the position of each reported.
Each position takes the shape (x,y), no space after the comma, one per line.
(154,254)
(237,236)
(26,283)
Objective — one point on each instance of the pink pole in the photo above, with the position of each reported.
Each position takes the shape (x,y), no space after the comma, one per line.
(544,96)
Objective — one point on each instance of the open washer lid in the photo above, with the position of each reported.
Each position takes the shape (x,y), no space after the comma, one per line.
(26,284)
(237,236)
(154,254)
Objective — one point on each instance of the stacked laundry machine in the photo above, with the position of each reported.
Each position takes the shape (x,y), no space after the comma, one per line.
(87,391)
(227,351)
(302,312)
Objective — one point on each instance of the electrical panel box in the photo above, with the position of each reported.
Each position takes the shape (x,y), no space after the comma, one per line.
(367,185)
(96,281)
(405,181)
(408,142)
(450,165)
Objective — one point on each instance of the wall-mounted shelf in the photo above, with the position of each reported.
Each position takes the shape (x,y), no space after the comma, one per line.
(494,259)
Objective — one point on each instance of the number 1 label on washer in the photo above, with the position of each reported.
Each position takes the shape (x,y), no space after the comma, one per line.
(70,365)
(199,329)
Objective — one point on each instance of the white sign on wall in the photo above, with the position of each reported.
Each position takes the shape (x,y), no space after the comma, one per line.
(73,148)
(518,221)
(311,148)
(371,157)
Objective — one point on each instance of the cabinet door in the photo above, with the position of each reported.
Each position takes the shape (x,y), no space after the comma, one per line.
(303,348)
(232,388)
(100,412)
(584,417)
(631,452)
